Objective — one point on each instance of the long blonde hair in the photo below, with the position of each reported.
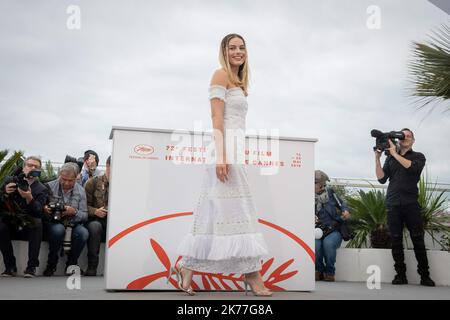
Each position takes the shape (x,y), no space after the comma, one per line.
(242,78)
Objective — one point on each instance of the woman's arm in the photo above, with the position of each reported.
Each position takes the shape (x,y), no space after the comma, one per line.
(219,78)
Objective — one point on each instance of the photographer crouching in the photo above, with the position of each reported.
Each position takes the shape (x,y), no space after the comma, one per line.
(21,203)
(403,168)
(66,212)
(328,227)
(97,200)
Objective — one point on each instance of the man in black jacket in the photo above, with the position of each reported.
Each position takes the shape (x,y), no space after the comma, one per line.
(403,170)
(27,200)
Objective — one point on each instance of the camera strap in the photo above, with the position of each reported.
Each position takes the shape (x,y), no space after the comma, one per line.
(60,193)
(338,201)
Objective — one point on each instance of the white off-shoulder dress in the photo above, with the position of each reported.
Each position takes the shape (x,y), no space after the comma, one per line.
(224,237)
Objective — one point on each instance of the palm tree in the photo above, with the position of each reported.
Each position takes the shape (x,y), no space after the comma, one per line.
(369,219)
(432,204)
(430,69)
(9,165)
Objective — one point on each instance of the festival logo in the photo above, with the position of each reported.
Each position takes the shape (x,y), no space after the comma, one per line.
(273,272)
(143,149)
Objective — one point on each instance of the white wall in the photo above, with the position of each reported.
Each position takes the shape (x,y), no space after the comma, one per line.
(352,264)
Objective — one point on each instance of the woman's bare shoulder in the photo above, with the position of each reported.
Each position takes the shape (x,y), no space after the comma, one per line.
(220,78)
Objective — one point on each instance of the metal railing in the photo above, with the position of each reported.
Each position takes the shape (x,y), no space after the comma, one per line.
(373,183)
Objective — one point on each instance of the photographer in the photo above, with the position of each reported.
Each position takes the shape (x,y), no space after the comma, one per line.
(90,169)
(97,200)
(79,162)
(65,221)
(329,222)
(403,170)
(22,195)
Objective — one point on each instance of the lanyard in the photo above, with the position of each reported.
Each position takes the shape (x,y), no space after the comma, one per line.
(60,192)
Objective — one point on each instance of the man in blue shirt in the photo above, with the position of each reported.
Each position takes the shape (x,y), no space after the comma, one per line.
(65,190)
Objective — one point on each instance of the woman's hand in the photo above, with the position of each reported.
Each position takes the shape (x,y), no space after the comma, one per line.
(222,172)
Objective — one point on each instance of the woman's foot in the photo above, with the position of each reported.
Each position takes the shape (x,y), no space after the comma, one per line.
(256,284)
(184,278)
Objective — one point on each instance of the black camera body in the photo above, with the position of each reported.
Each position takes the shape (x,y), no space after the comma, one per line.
(20,182)
(20,179)
(327,229)
(56,209)
(382,139)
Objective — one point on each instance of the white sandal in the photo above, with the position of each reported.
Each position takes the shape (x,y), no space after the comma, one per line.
(177,271)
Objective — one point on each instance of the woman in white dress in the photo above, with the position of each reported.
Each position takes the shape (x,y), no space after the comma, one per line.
(224,237)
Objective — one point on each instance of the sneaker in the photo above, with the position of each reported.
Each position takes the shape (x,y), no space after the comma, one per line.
(49,271)
(30,272)
(9,272)
(426,281)
(400,279)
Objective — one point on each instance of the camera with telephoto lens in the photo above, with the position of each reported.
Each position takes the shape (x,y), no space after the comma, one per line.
(382,139)
(56,209)
(21,182)
(79,161)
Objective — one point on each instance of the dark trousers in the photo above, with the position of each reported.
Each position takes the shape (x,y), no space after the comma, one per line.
(56,233)
(97,233)
(32,234)
(408,215)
